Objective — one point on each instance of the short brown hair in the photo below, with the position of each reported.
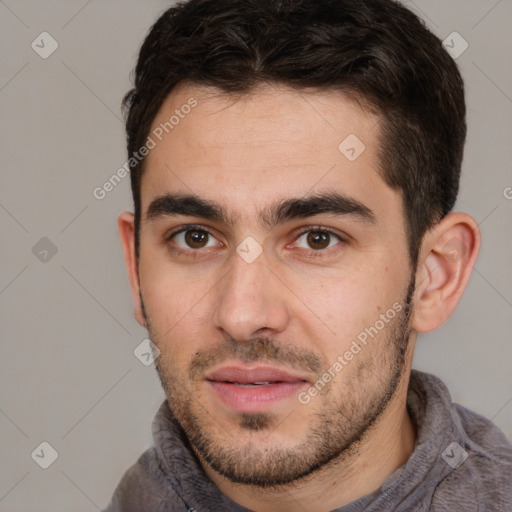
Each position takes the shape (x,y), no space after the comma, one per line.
(377,51)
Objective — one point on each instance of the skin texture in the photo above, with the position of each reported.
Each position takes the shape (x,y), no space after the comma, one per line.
(299,305)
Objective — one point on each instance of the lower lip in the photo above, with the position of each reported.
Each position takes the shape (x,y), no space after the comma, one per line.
(254,399)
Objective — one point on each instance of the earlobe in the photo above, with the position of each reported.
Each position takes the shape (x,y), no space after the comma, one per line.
(126,226)
(449,252)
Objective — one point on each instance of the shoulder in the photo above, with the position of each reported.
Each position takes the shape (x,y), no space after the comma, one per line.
(484,477)
(143,487)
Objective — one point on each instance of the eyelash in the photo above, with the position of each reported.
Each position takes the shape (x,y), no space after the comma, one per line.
(312,254)
(324,253)
(193,253)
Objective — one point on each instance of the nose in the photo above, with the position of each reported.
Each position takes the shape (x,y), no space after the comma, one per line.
(251,301)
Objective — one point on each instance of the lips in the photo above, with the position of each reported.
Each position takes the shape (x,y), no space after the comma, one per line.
(240,375)
(253,389)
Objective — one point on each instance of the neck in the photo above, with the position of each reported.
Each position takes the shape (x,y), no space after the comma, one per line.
(360,471)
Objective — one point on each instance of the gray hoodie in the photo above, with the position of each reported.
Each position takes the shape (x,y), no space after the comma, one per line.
(461,462)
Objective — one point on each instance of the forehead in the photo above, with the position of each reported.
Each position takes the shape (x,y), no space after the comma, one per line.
(272,143)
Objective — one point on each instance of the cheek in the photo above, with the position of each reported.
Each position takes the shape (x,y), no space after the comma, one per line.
(338,307)
(177,304)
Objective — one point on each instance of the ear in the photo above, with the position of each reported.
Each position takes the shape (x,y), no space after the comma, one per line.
(447,256)
(126,225)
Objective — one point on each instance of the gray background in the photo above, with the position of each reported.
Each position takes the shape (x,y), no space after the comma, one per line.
(68,374)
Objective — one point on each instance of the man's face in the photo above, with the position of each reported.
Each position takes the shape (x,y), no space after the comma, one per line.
(273,264)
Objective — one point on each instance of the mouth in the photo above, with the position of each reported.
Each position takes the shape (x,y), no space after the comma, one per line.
(254,389)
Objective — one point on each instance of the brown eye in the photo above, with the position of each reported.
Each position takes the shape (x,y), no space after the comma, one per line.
(196,239)
(318,240)
(193,238)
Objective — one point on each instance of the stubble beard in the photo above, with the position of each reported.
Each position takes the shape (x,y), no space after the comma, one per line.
(335,431)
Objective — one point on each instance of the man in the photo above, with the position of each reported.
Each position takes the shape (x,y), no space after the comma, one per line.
(294,165)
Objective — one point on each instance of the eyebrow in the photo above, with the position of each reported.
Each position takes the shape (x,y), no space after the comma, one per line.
(331,203)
